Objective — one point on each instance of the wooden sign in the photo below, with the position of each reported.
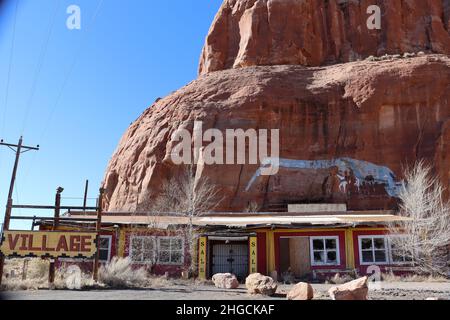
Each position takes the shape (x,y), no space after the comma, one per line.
(21,244)
(202,258)
(253,255)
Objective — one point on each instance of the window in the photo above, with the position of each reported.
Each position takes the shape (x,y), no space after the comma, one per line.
(373,250)
(104,248)
(380,250)
(397,255)
(325,251)
(143,249)
(151,250)
(171,251)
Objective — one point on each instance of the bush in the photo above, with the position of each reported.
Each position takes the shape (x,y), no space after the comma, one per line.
(37,275)
(72,278)
(339,279)
(118,273)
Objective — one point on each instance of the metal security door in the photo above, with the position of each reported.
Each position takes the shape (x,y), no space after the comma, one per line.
(230,258)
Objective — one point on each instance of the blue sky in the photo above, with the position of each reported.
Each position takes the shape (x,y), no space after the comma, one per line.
(134,52)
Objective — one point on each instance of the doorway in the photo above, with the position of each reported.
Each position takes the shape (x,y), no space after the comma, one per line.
(295,256)
(231,258)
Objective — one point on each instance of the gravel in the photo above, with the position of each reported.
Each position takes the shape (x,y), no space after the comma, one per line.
(385,291)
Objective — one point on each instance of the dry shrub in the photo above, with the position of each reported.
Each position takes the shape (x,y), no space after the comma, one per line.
(340,279)
(37,275)
(118,273)
(160,282)
(13,266)
(390,277)
(15,284)
(203,282)
(38,269)
(72,278)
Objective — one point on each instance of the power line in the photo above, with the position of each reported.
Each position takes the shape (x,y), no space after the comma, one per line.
(11,55)
(71,68)
(40,63)
(65,81)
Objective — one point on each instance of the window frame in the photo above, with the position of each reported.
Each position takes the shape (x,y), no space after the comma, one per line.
(144,262)
(182,251)
(109,237)
(324,239)
(157,250)
(388,250)
(372,238)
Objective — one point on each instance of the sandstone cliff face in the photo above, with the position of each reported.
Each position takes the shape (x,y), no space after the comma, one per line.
(368,118)
(347,127)
(311,32)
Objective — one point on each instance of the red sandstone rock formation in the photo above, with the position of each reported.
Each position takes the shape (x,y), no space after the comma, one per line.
(311,32)
(357,124)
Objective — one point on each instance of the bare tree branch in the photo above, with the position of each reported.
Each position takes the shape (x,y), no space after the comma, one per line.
(425,235)
(188,196)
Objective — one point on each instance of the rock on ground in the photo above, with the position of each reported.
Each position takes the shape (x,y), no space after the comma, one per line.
(354,290)
(258,284)
(225,281)
(301,291)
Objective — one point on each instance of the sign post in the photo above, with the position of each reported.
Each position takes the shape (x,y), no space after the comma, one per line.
(98,229)
(253,255)
(202,257)
(51,272)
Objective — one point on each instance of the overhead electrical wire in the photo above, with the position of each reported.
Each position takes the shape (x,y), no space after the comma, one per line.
(70,70)
(64,84)
(8,77)
(39,65)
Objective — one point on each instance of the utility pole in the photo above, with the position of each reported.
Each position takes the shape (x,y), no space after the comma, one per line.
(18,149)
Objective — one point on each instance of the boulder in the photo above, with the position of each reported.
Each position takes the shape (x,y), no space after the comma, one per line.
(301,292)
(323,133)
(354,290)
(259,284)
(225,281)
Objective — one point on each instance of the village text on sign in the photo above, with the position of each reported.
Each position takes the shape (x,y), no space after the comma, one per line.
(48,244)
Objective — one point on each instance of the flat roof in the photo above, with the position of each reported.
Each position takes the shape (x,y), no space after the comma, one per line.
(247,220)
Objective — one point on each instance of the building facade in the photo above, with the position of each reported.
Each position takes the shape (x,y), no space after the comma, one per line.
(307,245)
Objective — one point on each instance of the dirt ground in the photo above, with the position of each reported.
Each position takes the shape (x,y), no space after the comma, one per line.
(385,291)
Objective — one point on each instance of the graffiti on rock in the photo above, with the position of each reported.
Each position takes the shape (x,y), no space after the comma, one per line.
(347,176)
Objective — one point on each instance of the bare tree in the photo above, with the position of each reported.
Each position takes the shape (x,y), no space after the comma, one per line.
(253,207)
(188,196)
(423,238)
